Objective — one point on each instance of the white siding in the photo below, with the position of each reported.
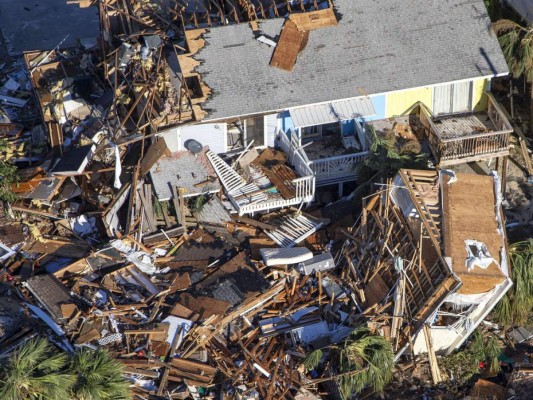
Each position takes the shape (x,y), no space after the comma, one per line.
(212,135)
(171,137)
(271,129)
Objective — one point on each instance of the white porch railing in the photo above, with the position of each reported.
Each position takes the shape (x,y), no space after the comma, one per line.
(304,186)
(337,168)
(305,192)
(325,170)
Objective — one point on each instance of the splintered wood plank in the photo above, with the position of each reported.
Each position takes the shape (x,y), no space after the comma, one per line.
(154,153)
(290,43)
(56,135)
(309,21)
(281,177)
(194,40)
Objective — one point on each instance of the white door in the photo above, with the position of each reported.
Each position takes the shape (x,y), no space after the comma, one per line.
(452,98)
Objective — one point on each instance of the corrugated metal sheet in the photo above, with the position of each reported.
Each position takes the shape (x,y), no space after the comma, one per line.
(319,114)
(211,135)
(271,126)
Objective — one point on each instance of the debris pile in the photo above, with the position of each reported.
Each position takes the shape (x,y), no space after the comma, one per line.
(234,305)
(210,275)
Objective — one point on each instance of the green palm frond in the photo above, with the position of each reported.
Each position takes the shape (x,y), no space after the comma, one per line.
(464,364)
(516,305)
(371,356)
(387,155)
(99,376)
(35,371)
(313,359)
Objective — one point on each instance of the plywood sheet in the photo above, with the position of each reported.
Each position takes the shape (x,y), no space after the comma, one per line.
(290,43)
(314,20)
(471,214)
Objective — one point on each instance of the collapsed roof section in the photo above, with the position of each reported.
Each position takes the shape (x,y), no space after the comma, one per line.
(224,72)
(420,256)
(474,244)
(150,47)
(399,268)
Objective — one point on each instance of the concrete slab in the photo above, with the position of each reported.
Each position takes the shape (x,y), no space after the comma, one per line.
(42,24)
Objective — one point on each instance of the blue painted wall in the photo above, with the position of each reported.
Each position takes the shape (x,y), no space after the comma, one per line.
(379,105)
(286,121)
(348,127)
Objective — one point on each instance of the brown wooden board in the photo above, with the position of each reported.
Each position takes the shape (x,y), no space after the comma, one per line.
(309,21)
(290,43)
(153,154)
(282,176)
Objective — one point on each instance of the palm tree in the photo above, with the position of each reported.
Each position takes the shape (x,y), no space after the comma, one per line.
(36,371)
(362,360)
(517,45)
(387,155)
(99,376)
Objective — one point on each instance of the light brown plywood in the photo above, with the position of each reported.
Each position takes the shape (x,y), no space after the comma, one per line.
(471,214)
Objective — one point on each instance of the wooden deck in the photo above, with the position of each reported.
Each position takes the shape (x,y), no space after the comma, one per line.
(463,125)
(470,137)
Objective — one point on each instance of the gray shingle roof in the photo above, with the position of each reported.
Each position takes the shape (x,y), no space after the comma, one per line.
(378,46)
(50,292)
(185,170)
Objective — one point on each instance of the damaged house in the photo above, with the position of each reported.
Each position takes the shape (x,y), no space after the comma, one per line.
(312,83)
(164,205)
(421,251)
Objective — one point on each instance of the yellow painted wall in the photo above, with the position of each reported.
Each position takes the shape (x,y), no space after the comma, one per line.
(399,103)
(479,99)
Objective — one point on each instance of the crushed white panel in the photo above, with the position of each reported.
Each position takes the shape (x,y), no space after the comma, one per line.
(230,179)
(320,262)
(292,229)
(141,259)
(178,326)
(83,225)
(285,256)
